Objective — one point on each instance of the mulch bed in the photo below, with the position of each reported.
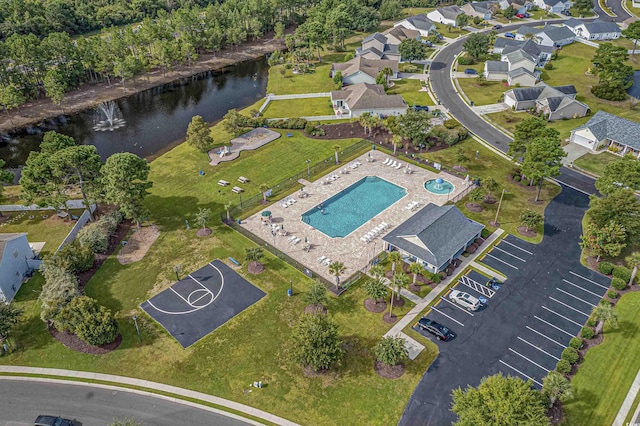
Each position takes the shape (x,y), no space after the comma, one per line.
(255,268)
(524,186)
(376,308)
(389,372)
(531,233)
(555,414)
(74,343)
(204,232)
(398,301)
(391,319)
(489,199)
(460,169)
(316,309)
(474,207)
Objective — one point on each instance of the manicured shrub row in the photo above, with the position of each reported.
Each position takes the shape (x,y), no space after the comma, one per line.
(96,235)
(605,268)
(619,283)
(587,332)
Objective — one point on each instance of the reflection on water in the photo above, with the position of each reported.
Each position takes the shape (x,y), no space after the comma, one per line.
(156,119)
(635,89)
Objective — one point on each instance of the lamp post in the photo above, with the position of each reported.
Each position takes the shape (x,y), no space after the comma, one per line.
(273,231)
(135,321)
(495,221)
(308,169)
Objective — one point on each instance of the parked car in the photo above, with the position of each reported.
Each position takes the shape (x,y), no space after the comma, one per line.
(421,108)
(470,71)
(440,331)
(493,281)
(427,43)
(497,27)
(46,420)
(566,13)
(465,300)
(520,15)
(527,15)
(510,35)
(440,36)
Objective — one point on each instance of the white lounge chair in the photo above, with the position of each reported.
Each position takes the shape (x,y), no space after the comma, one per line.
(295,241)
(399,165)
(386,161)
(364,239)
(358,163)
(327,262)
(321,259)
(290,239)
(385,225)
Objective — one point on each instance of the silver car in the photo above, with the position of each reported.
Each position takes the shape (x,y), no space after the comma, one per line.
(465,300)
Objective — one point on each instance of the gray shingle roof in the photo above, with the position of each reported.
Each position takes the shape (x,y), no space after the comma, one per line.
(370,67)
(368,96)
(558,33)
(5,238)
(520,71)
(541,91)
(375,36)
(524,30)
(450,12)
(519,55)
(608,126)
(552,2)
(503,42)
(599,27)
(421,22)
(497,66)
(434,234)
(572,22)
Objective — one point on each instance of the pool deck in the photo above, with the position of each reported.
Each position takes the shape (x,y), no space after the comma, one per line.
(350,250)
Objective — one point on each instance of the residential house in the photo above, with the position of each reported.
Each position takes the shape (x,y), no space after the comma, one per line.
(420,23)
(398,34)
(525,32)
(549,35)
(377,46)
(496,70)
(609,131)
(518,64)
(363,70)
(445,15)
(520,59)
(596,30)
(553,6)
(17,261)
(434,236)
(541,54)
(520,6)
(522,77)
(559,107)
(480,9)
(555,102)
(354,100)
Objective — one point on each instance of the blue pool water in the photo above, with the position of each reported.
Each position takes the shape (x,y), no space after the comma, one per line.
(440,188)
(352,207)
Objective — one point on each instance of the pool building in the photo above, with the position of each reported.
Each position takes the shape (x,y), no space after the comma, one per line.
(434,236)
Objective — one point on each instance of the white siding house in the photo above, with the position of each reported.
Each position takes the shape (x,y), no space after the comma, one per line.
(16,262)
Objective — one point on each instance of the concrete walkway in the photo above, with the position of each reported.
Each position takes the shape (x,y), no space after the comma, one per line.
(155,386)
(487,271)
(489,109)
(628,403)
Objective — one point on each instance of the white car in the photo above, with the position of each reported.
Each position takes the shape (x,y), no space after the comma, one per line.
(465,300)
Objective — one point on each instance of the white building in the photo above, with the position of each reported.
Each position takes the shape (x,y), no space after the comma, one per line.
(446,15)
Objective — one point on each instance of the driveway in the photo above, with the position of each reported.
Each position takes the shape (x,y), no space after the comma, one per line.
(527,322)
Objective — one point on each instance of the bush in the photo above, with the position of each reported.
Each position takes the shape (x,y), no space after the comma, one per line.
(451,123)
(94,237)
(591,322)
(516,178)
(622,273)
(608,92)
(465,60)
(436,278)
(605,268)
(563,366)
(618,283)
(576,343)
(89,321)
(477,20)
(587,332)
(548,66)
(111,220)
(570,354)
(612,294)
(73,258)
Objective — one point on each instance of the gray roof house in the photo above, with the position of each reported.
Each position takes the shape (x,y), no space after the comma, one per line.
(523,77)
(363,70)
(434,236)
(17,260)
(553,6)
(397,34)
(597,30)
(445,15)
(605,130)
(555,36)
(518,64)
(480,9)
(377,46)
(354,100)
(420,23)
(556,102)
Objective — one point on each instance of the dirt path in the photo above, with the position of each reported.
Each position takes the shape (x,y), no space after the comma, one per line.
(89,95)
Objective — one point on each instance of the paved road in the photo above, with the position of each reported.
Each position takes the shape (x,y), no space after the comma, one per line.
(22,401)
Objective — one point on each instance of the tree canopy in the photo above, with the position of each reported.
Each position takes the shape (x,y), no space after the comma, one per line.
(414,125)
(412,50)
(526,131)
(542,159)
(607,240)
(477,45)
(316,343)
(623,173)
(620,207)
(89,321)
(632,32)
(199,134)
(614,75)
(124,183)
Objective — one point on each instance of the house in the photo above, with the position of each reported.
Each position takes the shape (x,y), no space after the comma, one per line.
(434,236)
(420,23)
(555,102)
(377,46)
(541,54)
(354,100)
(559,107)
(609,131)
(520,59)
(520,6)
(363,70)
(596,30)
(518,64)
(555,36)
(445,15)
(397,34)
(17,261)
(522,77)
(553,6)
(496,70)
(525,33)
(480,9)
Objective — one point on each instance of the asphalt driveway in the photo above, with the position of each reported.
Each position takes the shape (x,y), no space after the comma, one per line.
(527,322)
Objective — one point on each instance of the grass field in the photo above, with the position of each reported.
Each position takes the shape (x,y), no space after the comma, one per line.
(595,163)
(450,32)
(485,94)
(298,108)
(410,91)
(606,374)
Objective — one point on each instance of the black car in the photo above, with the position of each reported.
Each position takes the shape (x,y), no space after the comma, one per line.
(44,420)
(421,108)
(566,13)
(440,331)
(497,27)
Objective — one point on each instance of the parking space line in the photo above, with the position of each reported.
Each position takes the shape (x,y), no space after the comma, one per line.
(452,319)
(512,255)
(521,373)
(532,362)
(583,289)
(539,348)
(575,297)
(500,260)
(546,337)
(562,316)
(557,328)
(513,245)
(569,306)
(587,279)
(456,306)
(437,303)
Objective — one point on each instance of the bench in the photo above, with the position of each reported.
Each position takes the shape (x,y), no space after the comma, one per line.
(235,262)
(237,189)
(223,182)
(243,179)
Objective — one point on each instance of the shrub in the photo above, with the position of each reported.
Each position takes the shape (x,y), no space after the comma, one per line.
(576,343)
(451,123)
(73,258)
(563,366)
(605,302)
(619,283)
(587,332)
(609,92)
(465,60)
(570,354)
(89,321)
(591,322)
(548,66)
(622,273)
(516,178)
(605,268)
(436,278)
(612,294)
(94,237)
(111,220)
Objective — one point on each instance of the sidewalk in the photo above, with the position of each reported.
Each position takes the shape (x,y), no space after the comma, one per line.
(154,386)
(628,403)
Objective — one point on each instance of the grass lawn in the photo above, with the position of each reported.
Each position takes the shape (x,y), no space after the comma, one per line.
(622,42)
(634,10)
(489,164)
(298,108)
(450,32)
(606,374)
(487,93)
(508,120)
(595,163)
(409,89)
(412,68)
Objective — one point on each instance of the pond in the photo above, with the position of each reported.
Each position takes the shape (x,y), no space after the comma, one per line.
(635,89)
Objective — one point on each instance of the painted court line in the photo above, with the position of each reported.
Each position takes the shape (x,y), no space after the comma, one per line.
(512,255)
(532,362)
(539,348)
(587,279)
(500,260)
(557,328)
(456,306)
(546,337)
(575,297)
(519,248)
(521,373)
(569,306)
(442,313)
(583,289)
(198,299)
(562,316)
(180,296)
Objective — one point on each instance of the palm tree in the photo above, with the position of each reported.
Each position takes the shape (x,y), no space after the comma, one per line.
(317,295)
(377,271)
(400,280)
(364,120)
(253,255)
(336,148)
(605,314)
(202,217)
(556,386)
(415,268)
(395,257)
(375,289)
(387,72)
(633,260)
(227,206)
(264,188)
(396,141)
(337,269)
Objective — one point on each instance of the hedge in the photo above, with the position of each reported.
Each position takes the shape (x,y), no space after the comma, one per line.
(619,283)
(587,332)
(563,366)
(570,354)
(622,273)
(605,268)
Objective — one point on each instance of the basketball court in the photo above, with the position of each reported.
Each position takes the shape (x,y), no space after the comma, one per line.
(201,302)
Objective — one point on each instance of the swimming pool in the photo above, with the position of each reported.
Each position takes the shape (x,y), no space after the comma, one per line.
(352,207)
